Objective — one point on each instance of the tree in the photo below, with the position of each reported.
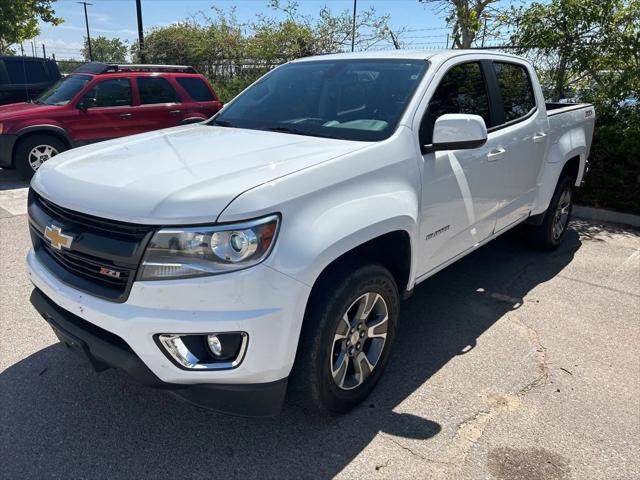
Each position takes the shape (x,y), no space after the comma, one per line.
(590,49)
(109,50)
(468,19)
(583,44)
(19,20)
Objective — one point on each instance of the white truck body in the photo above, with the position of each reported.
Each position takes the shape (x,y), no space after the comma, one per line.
(332,196)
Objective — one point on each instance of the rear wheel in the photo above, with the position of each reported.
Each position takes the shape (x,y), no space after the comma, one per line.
(33,151)
(549,234)
(348,330)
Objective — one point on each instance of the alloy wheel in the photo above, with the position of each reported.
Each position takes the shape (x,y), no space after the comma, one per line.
(359,341)
(40,154)
(561,216)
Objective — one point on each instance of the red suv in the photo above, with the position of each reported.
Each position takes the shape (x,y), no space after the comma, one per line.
(99,102)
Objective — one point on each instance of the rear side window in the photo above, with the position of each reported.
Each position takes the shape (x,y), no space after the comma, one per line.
(196,88)
(115,92)
(25,71)
(516,90)
(156,90)
(462,90)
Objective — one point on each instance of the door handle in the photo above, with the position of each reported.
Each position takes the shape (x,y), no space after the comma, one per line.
(495,154)
(125,115)
(539,137)
(175,112)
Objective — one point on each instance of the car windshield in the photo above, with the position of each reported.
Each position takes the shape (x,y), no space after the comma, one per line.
(347,99)
(61,92)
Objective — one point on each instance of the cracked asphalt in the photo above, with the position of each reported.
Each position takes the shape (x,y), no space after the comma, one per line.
(510,364)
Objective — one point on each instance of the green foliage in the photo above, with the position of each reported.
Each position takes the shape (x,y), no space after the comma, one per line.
(110,50)
(19,20)
(589,50)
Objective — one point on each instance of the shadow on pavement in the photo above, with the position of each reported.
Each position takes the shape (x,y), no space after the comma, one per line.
(61,420)
(9,180)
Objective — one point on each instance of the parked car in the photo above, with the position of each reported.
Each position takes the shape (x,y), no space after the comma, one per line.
(100,102)
(25,78)
(268,249)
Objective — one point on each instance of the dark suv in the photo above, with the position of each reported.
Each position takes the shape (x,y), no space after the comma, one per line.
(24,78)
(99,102)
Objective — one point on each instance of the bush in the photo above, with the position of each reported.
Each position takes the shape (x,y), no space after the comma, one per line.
(614,164)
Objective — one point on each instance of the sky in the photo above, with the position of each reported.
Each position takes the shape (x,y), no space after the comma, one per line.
(117,18)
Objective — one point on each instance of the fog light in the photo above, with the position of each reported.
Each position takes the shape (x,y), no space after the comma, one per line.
(204,351)
(214,345)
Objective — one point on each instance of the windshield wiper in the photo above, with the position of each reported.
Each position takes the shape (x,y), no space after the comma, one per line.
(296,131)
(223,123)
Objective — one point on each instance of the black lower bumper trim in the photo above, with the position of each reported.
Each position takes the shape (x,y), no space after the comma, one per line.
(105,350)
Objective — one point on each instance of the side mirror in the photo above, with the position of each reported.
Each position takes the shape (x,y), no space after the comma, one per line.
(87,103)
(457,131)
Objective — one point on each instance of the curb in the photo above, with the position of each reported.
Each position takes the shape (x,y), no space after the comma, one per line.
(608,216)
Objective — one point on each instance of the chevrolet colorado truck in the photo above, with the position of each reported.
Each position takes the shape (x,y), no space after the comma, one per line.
(264,252)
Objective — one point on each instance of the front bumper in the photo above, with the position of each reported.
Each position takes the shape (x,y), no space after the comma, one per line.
(7,143)
(266,304)
(105,350)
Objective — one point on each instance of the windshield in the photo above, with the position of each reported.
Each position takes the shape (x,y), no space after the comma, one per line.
(348,99)
(61,92)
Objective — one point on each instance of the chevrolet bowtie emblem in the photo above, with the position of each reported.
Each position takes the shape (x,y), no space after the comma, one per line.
(57,238)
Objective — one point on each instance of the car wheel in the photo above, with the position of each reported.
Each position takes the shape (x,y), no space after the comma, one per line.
(33,151)
(549,235)
(348,330)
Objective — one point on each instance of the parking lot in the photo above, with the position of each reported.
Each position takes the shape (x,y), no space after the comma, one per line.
(511,364)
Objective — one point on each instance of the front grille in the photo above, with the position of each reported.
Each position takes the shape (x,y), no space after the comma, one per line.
(104,255)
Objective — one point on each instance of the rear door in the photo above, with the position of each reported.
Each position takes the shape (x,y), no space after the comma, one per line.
(459,202)
(522,133)
(112,116)
(160,104)
(201,102)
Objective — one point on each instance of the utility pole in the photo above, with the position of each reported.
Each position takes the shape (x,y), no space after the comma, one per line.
(353,26)
(44,51)
(86,21)
(140,34)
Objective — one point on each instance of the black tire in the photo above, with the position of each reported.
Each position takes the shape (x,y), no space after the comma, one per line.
(311,383)
(548,236)
(23,150)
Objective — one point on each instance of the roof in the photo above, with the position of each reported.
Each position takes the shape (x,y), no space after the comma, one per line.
(401,55)
(99,68)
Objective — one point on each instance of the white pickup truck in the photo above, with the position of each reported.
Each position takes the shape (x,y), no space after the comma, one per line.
(265,252)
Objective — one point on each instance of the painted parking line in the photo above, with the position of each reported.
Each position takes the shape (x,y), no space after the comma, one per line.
(13,202)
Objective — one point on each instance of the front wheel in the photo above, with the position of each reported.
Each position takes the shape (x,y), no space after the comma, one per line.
(33,151)
(348,330)
(549,235)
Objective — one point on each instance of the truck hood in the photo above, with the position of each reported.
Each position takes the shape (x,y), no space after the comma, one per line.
(177,176)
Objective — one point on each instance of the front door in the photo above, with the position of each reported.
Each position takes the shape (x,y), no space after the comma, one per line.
(459,202)
(111,114)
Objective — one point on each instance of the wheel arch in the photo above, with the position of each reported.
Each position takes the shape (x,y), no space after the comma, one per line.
(27,132)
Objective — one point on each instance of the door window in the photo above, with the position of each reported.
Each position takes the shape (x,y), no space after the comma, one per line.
(516,90)
(115,92)
(156,90)
(196,88)
(462,90)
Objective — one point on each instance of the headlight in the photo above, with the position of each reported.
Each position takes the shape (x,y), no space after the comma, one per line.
(199,251)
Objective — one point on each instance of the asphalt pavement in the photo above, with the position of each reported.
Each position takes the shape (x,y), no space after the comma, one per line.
(510,364)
